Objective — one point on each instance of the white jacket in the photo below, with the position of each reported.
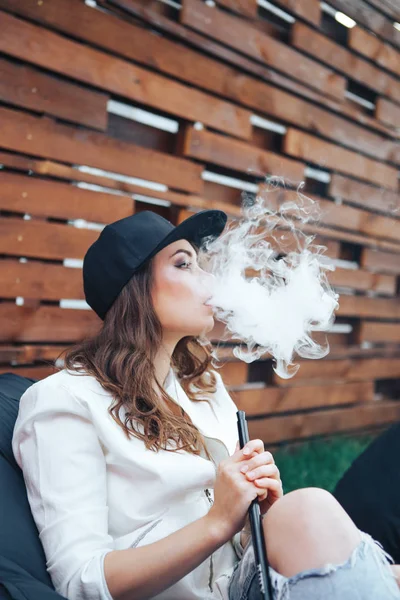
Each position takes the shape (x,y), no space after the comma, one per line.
(92,490)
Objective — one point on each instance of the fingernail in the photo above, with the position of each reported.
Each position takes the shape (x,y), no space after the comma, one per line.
(246,451)
(250,475)
(244,469)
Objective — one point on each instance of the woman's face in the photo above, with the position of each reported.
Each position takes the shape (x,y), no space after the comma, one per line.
(180,290)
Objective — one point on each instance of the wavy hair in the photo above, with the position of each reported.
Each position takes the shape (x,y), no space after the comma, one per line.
(121,357)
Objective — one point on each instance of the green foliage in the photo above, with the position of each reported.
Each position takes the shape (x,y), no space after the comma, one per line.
(320,463)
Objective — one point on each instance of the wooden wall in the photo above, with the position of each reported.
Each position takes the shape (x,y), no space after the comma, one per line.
(240,92)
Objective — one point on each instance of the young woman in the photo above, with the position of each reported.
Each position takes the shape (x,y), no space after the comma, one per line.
(130,456)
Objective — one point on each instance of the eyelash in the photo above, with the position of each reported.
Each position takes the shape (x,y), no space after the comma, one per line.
(185,264)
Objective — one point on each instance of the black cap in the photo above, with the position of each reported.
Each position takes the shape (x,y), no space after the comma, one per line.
(124,246)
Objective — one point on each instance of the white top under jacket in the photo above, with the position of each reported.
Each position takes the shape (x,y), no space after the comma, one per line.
(92,490)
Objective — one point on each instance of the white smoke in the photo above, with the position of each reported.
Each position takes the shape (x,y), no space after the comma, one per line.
(271,289)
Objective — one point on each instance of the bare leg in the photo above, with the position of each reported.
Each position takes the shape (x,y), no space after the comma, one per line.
(307,529)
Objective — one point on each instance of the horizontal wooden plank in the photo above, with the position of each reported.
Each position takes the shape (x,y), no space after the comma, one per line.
(345,369)
(28,88)
(335,340)
(242,36)
(364,195)
(354,350)
(234,154)
(361,306)
(309,11)
(44,240)
(380,262)
(328,155)
(390,7)
(266,400)
(387,112)
(45,324)
(45,138)
(361,221)
(25,354)
(234,373)
(374,332)
(363,281)
(364,14)
(375,49)
(43,281)
(79,61)
(32,372)
(348,236)
(247,8)
(317,44)
(335,215)
(46,198)
(302,426)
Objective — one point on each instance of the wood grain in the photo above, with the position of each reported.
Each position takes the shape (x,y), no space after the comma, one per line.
(48,198)
(327,155)
(240,35)
(375,332)
(44,240)
(39,280)
(29,88)
(234,154)
(316,44)
(346,369)
(45,324)
(364,195)
(302,426)
(45,138)
(52,51)
(267,400)
(373,48)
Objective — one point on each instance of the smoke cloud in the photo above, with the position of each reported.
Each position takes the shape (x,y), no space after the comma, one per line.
(271,289)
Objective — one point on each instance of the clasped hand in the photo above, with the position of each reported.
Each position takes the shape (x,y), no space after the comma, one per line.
(259,468)
(249,473)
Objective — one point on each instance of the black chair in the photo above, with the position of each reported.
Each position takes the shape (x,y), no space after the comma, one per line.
(23,574)
(369,491)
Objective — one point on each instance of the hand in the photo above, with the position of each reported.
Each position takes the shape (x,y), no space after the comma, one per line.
(234,490)
(263,472)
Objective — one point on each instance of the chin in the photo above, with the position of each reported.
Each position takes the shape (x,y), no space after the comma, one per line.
(209,325)
(203,328)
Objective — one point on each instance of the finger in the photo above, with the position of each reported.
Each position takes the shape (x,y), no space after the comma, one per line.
(263,471)
(267,483)
(264,458)
(252,447)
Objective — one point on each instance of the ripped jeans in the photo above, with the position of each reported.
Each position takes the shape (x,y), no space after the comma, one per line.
(366,575)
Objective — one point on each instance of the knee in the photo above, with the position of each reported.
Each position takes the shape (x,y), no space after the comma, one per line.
(303,505)
(306,528)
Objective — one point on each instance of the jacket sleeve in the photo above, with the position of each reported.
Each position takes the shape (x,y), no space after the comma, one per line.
(59,452)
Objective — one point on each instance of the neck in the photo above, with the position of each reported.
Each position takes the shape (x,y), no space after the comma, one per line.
(162,361)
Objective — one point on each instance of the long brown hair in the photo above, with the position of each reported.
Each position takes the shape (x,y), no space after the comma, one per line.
(121,357)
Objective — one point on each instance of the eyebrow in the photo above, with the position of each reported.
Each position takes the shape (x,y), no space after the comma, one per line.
(185,252)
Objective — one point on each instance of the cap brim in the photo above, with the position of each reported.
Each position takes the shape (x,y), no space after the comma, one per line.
(198,227)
